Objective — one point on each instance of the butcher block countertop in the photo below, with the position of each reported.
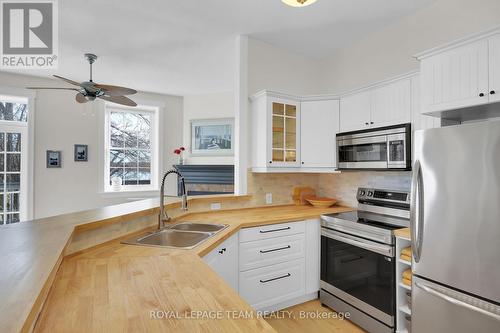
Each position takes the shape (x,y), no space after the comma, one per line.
(116,287)
(403,233)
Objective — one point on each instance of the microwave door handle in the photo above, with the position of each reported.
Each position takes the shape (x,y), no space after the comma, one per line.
(465,302)
(416,211)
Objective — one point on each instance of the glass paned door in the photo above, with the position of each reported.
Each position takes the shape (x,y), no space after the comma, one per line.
(13,168)
(284,133)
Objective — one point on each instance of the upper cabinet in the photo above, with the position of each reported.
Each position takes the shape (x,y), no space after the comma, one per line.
(460,76)
(494,68)
(384,105)
(292,135)
(355,112)
(319,126)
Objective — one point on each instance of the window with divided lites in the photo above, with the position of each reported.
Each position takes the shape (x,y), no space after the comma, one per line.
(131,148)
(13,163)
(284,148)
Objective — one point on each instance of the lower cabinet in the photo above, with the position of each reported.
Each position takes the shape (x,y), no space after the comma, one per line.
(273,266)
(224,260)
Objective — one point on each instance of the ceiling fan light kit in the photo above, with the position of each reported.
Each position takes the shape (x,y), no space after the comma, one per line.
(298,3)
(89,90)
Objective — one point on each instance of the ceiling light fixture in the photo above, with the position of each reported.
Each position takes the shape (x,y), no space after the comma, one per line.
(298,3)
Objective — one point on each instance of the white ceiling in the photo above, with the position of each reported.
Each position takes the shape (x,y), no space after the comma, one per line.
(187,46)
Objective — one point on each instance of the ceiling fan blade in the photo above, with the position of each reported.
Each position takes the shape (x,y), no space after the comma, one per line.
(119,100)
(115,90)
(52,88)
(68,80)
(80,98)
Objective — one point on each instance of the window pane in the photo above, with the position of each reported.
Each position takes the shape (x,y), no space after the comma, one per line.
(1,204)
(116,121)
(13,141)
(115,172)
(13,162)
(13,182)
(130,177)
(12,218)
(2,178)
(291,110)
(2,162)
(130,158)
(144,176)
(144,158)
(12,202)
(278,108)
(2,141)
(13,111)
(116,158)
(130,129)
(144,132)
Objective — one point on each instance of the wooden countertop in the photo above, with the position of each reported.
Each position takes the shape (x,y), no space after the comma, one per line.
(115,287)
(403,233)
(31,252)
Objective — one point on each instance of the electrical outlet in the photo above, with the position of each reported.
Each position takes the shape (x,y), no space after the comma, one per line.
(269,198)
(215,206)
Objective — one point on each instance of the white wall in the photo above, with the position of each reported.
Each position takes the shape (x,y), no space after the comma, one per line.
(388,52)
(60,123)
(273,68)
(206,106)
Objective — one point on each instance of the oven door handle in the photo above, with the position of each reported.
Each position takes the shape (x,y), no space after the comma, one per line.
(359,242)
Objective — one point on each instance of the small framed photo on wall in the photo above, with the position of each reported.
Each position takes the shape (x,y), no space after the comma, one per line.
(53,158)
(81,153)
(212,137)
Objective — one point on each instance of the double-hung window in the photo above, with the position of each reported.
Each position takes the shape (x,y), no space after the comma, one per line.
(131,148)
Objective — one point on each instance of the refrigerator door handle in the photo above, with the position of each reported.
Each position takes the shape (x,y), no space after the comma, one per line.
(468,302)
(416,211)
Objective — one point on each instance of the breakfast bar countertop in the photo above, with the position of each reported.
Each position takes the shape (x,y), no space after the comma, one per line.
(117,287)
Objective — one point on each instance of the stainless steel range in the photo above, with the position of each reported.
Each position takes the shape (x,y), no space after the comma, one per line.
(358,261)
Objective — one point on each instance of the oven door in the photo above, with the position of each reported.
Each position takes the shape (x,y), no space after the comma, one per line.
(360,272)
(363,153)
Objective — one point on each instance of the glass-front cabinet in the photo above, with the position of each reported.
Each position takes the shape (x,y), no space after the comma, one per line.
(275,131)
(285,143)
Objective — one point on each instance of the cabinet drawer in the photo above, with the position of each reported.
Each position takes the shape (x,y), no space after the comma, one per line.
(271,251)
(270,285)
(271,231)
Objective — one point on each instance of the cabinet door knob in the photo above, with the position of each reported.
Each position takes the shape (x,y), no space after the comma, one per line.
(303,163)
(371,122)
(492,92)
(367,123)
(221,252)
(481,95)
(270,162)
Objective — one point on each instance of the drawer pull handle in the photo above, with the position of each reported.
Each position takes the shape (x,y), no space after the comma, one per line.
(276,278)
(274,230)
(278,249)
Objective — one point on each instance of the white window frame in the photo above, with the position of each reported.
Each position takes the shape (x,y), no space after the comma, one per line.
(27,157)
(155,143)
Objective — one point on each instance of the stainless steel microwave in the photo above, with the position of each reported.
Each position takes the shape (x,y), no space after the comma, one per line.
(384,148)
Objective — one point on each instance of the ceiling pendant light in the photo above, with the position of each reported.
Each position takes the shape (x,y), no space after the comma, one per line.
(298,3)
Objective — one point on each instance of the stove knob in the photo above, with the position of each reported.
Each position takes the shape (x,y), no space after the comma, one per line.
(370,193)
(362,193)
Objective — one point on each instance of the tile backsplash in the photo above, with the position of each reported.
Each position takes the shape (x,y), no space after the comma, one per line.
(344,186)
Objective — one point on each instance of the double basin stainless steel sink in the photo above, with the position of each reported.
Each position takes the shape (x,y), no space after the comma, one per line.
(181,236)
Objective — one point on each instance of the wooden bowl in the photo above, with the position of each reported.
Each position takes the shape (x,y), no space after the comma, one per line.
(321,202)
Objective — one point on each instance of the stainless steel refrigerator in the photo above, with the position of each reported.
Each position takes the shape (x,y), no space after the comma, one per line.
(455,220)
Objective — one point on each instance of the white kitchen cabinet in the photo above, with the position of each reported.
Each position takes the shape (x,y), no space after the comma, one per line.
(420,121)
(279,264)
(455,78)
(355,112)
(275,135)
(224,260)
(391,104)
(319,125)
(494,68)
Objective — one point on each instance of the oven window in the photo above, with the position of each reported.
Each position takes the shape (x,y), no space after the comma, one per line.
(366,275)
(370,152)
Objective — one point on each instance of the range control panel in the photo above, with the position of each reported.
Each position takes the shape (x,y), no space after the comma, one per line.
(381,195)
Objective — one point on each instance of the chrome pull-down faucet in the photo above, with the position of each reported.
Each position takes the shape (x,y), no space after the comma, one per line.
(163,216)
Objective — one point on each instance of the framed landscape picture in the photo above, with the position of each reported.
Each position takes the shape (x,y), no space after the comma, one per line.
(212,137)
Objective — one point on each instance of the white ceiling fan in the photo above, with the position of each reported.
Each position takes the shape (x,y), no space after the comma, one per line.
(89,90)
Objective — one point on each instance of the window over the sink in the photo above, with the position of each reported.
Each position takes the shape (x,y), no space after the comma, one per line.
(131,148)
